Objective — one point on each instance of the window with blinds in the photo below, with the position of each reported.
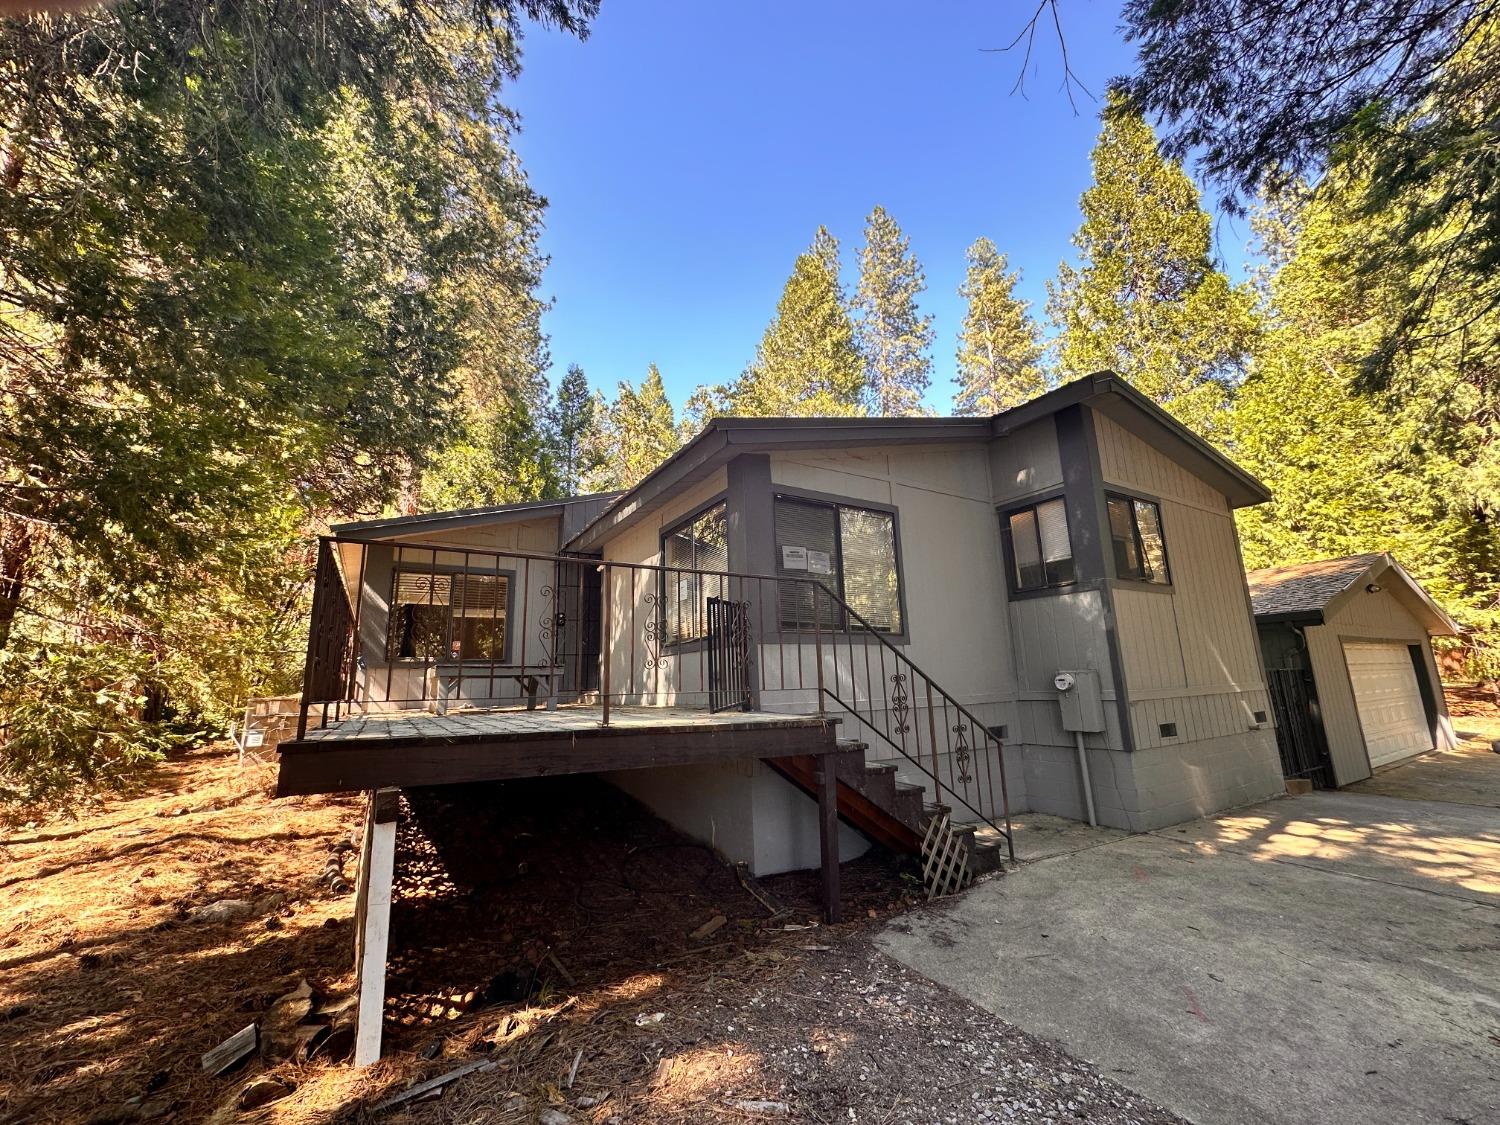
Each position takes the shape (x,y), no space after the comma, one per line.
(1136,541)
(444,616)
(848,549)
(699,544)
(1040,548)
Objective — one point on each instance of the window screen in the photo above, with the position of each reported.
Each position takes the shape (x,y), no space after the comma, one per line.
(846,548)
(699,544)
(1140,551)
(1041,551)
(448,616)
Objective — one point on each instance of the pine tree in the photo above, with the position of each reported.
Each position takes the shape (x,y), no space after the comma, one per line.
(1146,301)
(1353,470)
(807,363)
(573,421)
(893,336)
(999,345)
(643,429)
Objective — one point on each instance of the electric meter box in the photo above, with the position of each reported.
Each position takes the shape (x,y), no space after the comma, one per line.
(1082,705)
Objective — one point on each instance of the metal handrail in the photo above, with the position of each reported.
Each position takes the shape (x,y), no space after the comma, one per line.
(975,723)
(887,711)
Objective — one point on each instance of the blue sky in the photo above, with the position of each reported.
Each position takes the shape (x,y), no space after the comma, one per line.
(690,150)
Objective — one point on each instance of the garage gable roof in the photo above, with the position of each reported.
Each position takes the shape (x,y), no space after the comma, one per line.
(1315,590)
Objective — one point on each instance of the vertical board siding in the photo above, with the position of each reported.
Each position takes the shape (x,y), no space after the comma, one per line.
(1375,617)
(1191,655)
(1126,460)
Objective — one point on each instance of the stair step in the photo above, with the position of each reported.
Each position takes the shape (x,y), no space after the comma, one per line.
(852,744)
(891,770)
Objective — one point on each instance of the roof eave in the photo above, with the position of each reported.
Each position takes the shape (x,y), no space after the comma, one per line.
(1116,398)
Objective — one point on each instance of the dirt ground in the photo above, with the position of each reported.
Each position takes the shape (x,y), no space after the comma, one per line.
(543,927)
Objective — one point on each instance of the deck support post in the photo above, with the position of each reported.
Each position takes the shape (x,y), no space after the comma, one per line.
(372,922)
(828,837)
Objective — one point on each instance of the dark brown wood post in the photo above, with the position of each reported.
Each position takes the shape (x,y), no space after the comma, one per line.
(604,631)
(828,837)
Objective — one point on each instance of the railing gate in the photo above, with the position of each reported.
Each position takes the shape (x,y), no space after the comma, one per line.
(728,655)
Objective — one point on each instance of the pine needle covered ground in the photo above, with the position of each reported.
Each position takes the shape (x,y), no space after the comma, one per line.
(602,966)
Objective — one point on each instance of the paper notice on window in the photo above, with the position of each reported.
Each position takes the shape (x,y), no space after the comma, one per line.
(819,562)
(794,558)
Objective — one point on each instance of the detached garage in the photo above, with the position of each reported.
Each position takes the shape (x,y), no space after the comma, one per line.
(1349,664)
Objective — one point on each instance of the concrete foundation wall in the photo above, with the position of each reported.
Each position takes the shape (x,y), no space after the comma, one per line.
(743,809)
(1155,787)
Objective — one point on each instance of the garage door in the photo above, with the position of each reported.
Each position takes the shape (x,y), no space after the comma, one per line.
(1389,701)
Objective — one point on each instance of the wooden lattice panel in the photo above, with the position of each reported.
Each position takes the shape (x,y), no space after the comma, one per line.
(945,858)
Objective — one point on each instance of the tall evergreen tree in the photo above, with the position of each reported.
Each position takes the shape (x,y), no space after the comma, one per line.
(642,428)
(807,364)
(999,345)
(893,336)
(1146,300)
(1408,469)
(572,428)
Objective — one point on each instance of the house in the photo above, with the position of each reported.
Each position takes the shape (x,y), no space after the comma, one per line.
(1348,654)
(925,624)
(939,573)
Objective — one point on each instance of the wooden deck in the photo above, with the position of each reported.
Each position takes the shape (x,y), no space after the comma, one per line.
(405,748)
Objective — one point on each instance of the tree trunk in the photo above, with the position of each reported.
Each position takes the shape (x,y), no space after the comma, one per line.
(17,541)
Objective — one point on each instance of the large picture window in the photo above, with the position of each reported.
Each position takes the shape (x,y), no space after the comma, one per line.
(1041,552)
(698,544)
(1136,540)
(440,616)
(849,549)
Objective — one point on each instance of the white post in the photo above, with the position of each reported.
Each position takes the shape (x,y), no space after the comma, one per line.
(372,922)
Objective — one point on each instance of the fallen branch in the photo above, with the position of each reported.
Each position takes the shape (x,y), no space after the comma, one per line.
(432,1084)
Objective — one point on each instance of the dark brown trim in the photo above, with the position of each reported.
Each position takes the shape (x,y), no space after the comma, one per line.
(345,765)
(723,439)
(687,644)
(1112,396)
(834,500)
(1008,549)
(1083,479)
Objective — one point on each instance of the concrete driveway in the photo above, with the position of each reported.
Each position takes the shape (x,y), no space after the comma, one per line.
(1327,958)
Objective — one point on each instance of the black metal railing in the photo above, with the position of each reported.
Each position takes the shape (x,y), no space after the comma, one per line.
(400,626)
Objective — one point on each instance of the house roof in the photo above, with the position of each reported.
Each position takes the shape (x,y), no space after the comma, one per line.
(396,526)
(1314,591)
(723,439)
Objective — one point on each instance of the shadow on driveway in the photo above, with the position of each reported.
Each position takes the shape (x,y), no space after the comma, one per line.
(1330,958)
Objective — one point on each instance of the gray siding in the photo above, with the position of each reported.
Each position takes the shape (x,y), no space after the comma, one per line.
(1190,653)
(1026,461)
(1373,617)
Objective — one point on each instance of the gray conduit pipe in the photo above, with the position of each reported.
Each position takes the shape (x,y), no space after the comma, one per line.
(1088,787)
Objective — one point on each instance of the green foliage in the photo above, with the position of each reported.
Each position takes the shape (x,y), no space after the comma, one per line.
(641,431)
(252,275)
(999,345)
(1408,469)
(574,426)
(1400,97)
(807,363)
(1146,301)
(74,720)
(892,335)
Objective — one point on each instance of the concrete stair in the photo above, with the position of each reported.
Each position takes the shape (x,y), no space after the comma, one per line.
(891,812)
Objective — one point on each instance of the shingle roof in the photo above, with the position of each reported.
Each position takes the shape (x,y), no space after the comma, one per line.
(1304,587)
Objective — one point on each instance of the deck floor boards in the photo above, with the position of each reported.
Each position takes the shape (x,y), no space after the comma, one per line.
(519,724)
